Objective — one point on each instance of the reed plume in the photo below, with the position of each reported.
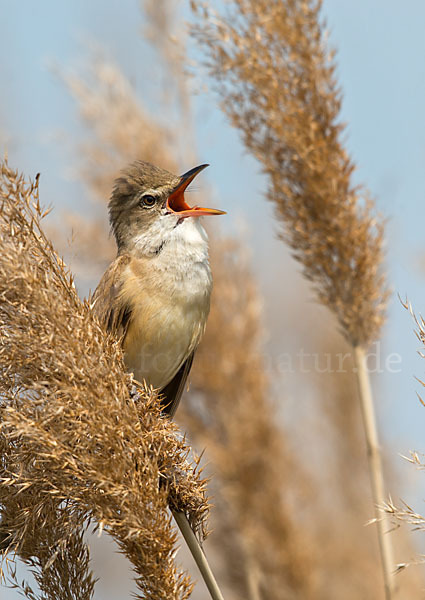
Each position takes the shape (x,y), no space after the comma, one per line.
(276,79)
(78,440)
(55,551)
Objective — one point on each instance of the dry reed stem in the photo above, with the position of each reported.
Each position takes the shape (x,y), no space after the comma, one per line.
(348,548)
(73,428)
(276,80)
(376,470)
(198,555)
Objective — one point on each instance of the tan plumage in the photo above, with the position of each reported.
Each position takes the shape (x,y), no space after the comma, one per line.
(112,313)
(156,294)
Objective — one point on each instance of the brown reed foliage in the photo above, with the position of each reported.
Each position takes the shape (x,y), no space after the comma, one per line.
(78,440)
(276,79)
(60,563)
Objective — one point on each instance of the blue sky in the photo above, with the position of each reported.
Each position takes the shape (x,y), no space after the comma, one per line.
(381,68)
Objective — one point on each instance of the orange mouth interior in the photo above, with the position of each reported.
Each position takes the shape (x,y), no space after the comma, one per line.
(176,200)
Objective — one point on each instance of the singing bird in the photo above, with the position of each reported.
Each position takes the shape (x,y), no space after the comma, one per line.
(156,294)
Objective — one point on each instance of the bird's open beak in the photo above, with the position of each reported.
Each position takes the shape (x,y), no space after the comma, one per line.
(177,204)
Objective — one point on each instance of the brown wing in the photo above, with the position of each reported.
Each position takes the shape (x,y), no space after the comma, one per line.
(107,304)
(172,392)
(115,316)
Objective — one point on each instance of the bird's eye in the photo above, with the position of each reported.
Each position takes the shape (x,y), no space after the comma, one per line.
(147,201)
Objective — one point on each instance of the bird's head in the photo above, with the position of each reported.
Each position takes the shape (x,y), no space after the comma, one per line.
(148,203)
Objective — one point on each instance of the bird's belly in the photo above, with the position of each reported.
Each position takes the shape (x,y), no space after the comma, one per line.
(160,337)
(169,298)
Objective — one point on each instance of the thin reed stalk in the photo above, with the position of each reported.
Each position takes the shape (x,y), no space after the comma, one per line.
(375,468)
(198,555)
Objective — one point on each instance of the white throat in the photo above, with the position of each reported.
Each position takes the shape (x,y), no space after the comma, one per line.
(186,240)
